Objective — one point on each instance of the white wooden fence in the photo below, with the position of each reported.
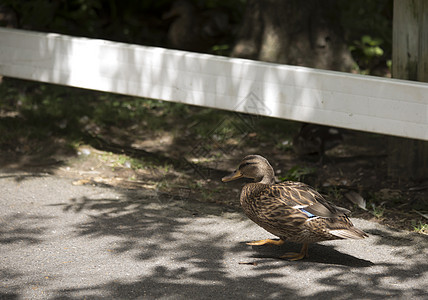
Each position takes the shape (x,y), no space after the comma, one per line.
(367,103)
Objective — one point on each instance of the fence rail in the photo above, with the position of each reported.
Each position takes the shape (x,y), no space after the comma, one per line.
(387,106)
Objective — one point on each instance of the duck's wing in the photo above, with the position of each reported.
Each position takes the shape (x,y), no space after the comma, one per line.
(301,196)
(284,208)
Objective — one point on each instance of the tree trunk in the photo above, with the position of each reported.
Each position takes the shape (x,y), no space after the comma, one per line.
(302,33)
(409,158)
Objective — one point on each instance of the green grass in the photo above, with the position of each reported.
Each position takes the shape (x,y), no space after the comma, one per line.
(420,227)
(298,173)
(377,211)
(47,110)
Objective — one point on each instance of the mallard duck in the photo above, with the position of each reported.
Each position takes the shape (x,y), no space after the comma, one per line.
(293,211)
(316,139)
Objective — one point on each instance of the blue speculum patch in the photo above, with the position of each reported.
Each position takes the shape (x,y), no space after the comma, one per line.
(307,213)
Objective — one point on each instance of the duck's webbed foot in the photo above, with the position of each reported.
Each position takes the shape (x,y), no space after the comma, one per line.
(267,241)
(297,256)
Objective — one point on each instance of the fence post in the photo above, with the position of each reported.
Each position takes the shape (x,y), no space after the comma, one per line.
(409,158)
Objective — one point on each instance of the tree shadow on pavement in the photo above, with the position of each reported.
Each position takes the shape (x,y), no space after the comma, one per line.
(190,254)
(22,229)
(9,289)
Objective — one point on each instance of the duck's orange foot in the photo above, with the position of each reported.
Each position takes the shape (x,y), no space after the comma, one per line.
(293,256)
(266,242)
(297,256)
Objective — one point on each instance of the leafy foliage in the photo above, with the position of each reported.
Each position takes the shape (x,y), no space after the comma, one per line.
(420,227)
(298,173)
(368,32)
(138,22)
(367,24)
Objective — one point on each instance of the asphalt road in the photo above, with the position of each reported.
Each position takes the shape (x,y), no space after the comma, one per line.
(62,241)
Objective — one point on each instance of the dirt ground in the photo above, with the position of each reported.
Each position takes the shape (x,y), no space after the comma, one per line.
(184,151)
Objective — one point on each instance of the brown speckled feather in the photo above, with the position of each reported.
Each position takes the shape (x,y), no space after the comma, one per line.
(294,211)
(291,210)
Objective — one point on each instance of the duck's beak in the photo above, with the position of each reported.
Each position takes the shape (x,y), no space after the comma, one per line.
(235,175)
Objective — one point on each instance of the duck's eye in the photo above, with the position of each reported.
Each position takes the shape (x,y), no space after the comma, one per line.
(246,164)
(243,165)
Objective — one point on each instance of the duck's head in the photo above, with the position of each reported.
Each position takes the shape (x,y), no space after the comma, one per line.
(255,167)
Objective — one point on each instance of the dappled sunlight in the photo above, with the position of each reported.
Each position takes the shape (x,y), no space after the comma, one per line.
(412,246)
(136,243)
(157,231)
(112,153)
(163,282)
(22,229)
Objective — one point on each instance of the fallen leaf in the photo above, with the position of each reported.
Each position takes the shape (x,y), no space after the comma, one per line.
(356,198)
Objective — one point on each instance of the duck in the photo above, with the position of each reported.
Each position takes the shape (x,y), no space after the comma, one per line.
(290,210)
(316,139)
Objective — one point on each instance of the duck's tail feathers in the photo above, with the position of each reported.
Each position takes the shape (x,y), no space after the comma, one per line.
(351,233)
